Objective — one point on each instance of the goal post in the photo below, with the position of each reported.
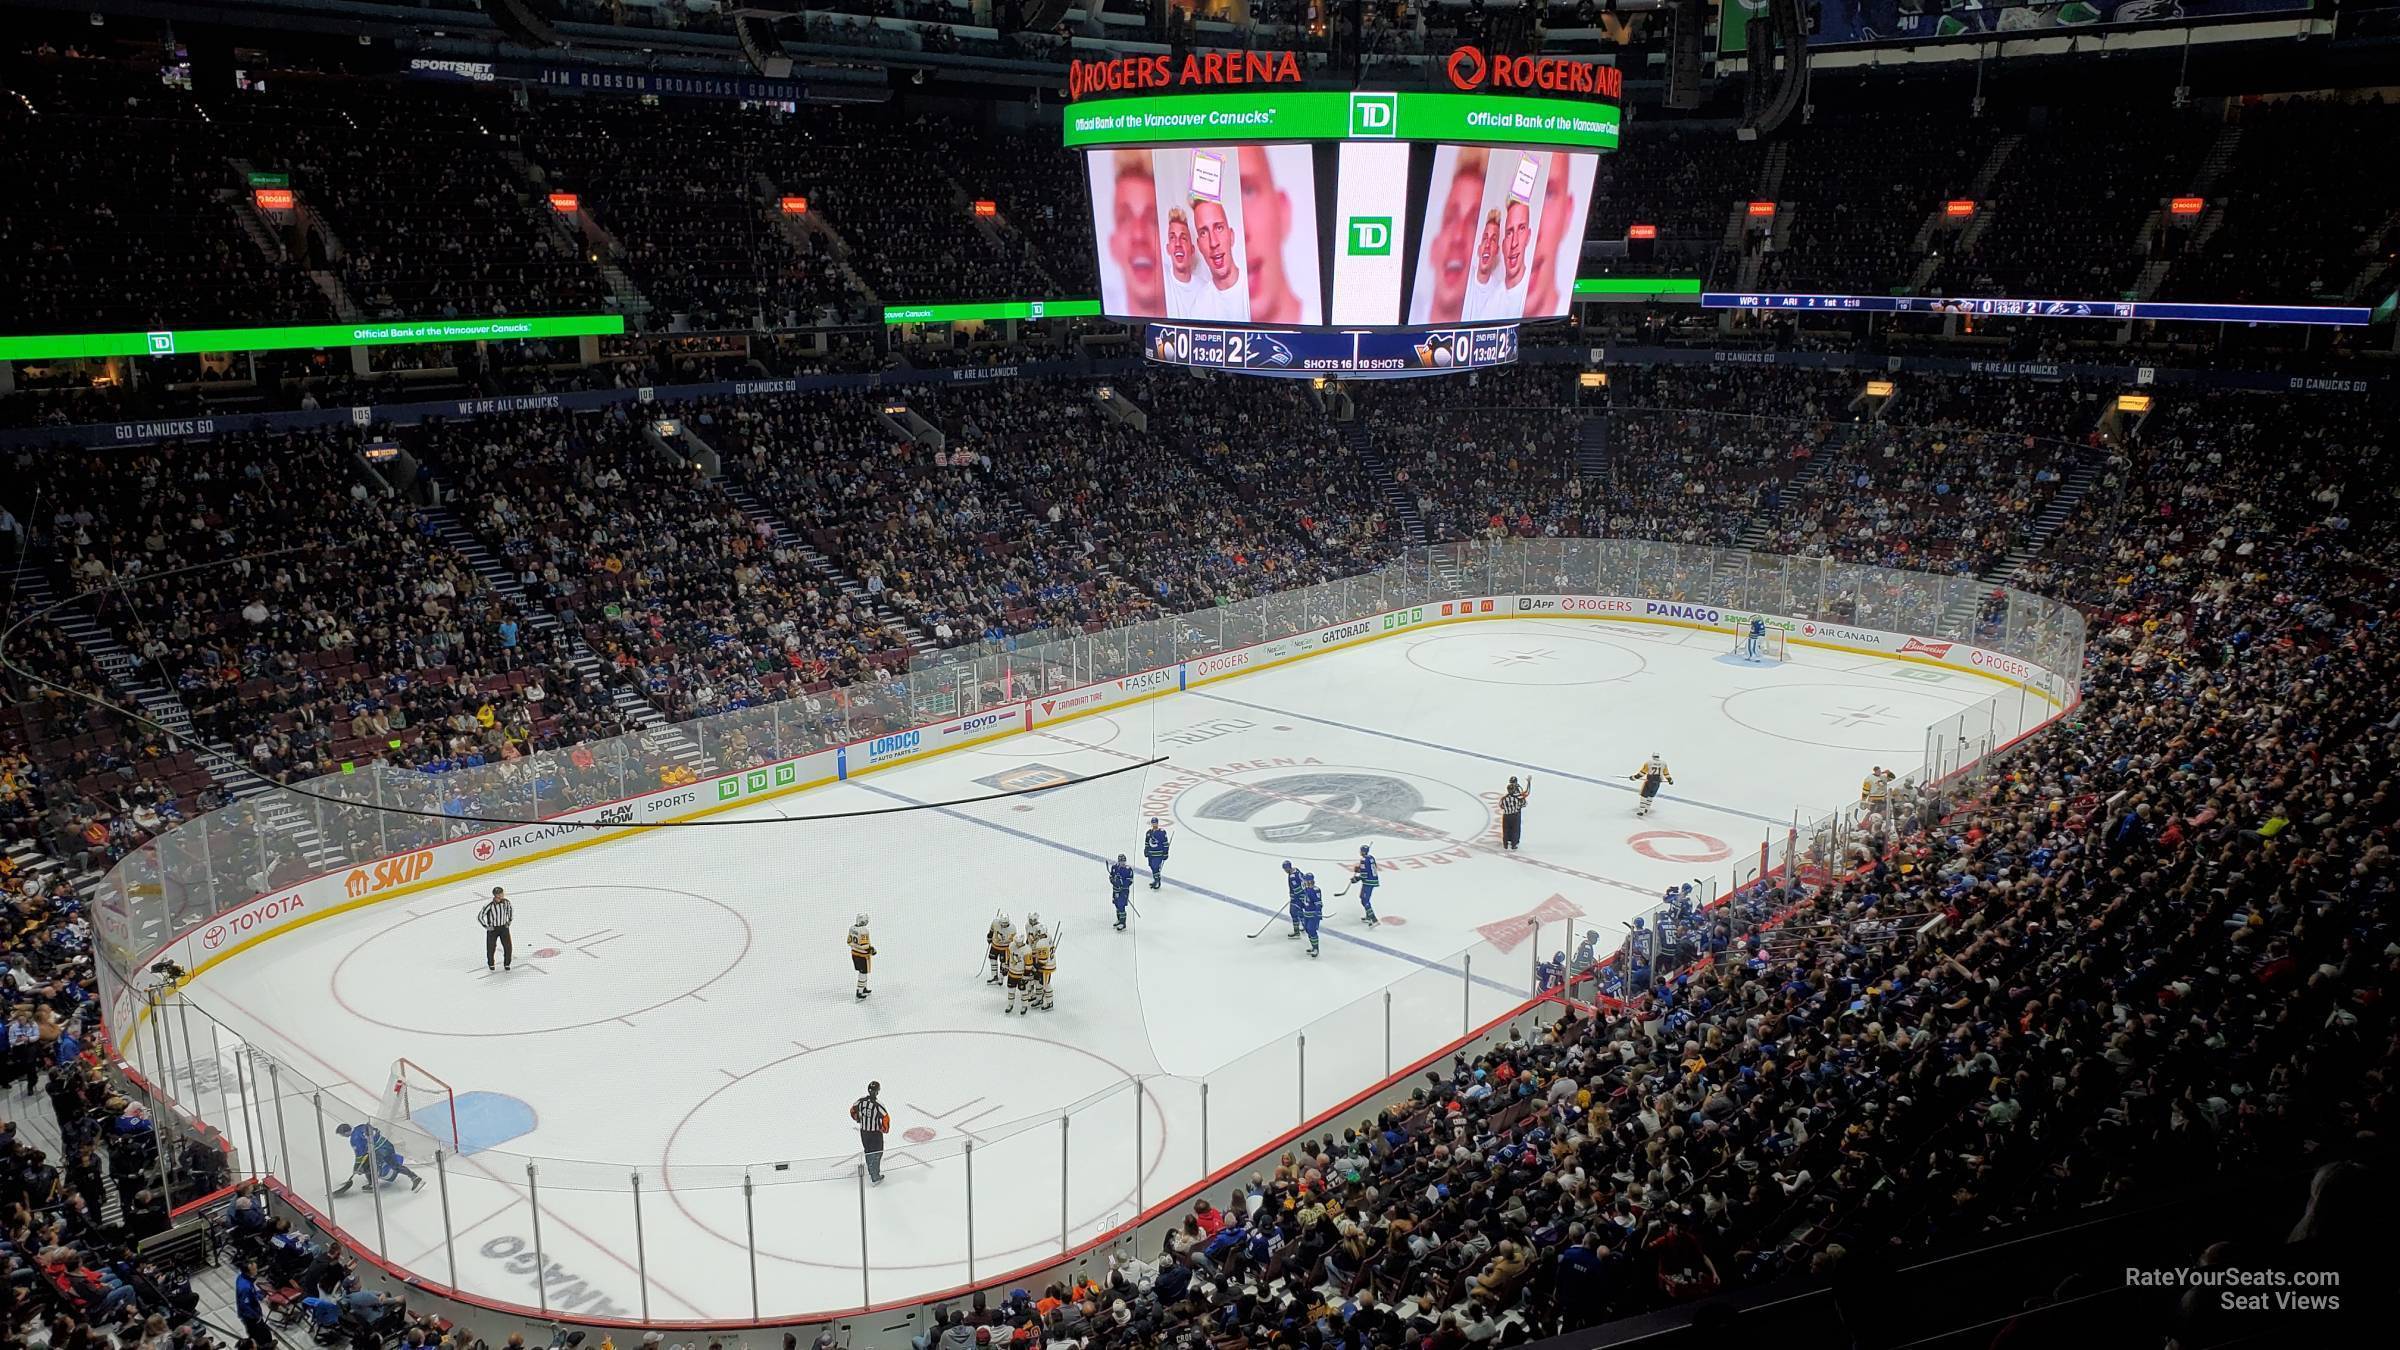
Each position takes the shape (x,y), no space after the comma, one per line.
(419,1110)
(1770,644)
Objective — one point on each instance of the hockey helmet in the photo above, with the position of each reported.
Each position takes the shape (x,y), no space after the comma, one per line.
(862,920)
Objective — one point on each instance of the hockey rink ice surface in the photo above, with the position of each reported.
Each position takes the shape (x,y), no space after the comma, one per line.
(683,1008)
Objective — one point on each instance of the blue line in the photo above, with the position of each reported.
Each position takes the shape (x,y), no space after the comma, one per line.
(1335,933)
(1488,759)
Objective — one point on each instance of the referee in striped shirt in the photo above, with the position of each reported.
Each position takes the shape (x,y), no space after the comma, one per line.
(873,1122)
(495,918)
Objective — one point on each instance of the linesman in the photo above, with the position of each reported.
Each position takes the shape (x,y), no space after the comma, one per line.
(497,914)
(1512,813)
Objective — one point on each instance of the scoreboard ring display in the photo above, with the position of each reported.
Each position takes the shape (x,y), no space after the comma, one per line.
(1359,231)
(1350,353)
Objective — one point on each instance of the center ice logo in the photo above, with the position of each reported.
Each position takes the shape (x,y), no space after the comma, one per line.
(1341,806)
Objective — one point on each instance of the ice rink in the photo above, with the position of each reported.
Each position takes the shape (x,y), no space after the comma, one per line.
(682,1014)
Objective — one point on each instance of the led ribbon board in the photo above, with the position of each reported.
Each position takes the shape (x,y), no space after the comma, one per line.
(2338,316)
(1235,116)
(68,346)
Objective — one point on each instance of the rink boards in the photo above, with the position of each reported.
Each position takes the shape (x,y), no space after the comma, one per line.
(237,929)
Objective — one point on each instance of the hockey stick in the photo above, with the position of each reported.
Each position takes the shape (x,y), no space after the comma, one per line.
(1270,923)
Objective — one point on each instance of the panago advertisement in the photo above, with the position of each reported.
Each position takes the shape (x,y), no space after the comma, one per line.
(456,860)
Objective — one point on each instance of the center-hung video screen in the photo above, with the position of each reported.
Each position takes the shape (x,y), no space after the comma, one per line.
(1215,233)
(1501,234)
(1348,234)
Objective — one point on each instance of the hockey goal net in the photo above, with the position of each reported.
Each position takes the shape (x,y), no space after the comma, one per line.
(419,1111)
(1770,644)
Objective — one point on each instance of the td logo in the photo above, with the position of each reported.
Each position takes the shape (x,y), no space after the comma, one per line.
(1374,115)
(1370,236)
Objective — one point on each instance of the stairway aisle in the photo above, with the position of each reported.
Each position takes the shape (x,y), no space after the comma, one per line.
(162,706)
(636,710)
(917,638)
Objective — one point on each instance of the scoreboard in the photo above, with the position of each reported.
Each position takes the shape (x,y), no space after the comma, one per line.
(2010,307)
(1224,191)
(1353,353)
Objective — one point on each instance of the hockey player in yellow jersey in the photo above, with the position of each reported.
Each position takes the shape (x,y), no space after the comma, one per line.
(1651,772)
(1045,961)
(1876,790)
(1003,934)
(1017,965)
(862,953)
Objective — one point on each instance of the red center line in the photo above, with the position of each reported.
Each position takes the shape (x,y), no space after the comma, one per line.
(1404,830)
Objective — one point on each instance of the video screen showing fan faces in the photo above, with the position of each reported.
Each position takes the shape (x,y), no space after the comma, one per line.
(1501,234)
(1220,233)
(1350,234)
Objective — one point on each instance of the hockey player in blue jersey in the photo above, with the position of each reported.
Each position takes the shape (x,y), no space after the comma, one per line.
(1363,873)
(373,1157)
(1550,974)
(1293,885)
(1587,952)
(1758,634)
(1154,850)
(1120,887)
(1312,908)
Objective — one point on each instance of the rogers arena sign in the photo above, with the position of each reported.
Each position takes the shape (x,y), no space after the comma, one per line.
(1471,68)
(1197,70)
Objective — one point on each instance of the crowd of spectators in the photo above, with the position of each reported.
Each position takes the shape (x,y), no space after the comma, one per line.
(638,552)
(421,213)
(680,197)
(911,227)
(1280,450)
(121,211)
(1859,196)
(1486,457)
(1696,453)
(249,575)
(1936,496)
(930,530)
(2067,209)
(1684,182)
(2303,213)
(2152,965)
